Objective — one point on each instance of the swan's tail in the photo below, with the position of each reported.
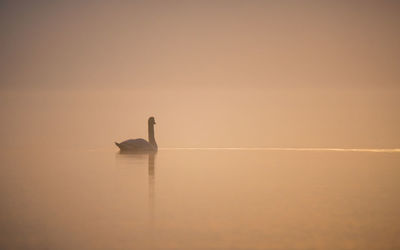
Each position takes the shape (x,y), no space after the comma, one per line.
(118,145)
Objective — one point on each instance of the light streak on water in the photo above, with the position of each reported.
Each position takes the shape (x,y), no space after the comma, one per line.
(376,150)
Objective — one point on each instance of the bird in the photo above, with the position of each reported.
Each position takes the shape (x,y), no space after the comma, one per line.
(141,145)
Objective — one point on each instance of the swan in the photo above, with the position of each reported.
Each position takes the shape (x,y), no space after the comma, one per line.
(140,145)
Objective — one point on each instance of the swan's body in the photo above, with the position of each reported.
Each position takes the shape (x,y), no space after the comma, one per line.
(141,145)
(135,145)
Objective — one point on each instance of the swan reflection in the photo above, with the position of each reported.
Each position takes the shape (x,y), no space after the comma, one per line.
(139,159)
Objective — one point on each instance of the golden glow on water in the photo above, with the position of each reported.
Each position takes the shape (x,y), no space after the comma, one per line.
(377,150)
(200,199)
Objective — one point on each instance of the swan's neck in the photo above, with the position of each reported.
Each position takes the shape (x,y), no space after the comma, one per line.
(152,140)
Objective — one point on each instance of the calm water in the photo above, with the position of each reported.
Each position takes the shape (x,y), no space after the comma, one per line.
(200,199)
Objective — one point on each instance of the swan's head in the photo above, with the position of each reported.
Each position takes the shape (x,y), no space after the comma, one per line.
(152,121)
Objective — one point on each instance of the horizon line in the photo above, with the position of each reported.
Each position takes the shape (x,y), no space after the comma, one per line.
(385,150)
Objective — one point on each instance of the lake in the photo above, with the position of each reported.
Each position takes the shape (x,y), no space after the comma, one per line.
(200,199)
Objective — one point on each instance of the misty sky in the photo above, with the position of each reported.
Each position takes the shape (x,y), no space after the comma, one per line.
(213,73)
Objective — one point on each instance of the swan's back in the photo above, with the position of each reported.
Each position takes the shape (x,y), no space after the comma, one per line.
(135,145)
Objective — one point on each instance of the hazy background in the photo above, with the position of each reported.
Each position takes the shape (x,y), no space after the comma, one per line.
(213,73)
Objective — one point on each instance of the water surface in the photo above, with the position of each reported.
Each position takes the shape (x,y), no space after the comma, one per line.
(200,199)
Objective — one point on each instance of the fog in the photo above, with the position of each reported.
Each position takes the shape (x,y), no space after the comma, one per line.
(214,74)
(277,124)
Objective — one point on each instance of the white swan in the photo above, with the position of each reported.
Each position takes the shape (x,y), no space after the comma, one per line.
(140,145)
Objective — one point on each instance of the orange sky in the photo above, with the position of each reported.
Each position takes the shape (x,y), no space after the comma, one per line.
(213,73)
